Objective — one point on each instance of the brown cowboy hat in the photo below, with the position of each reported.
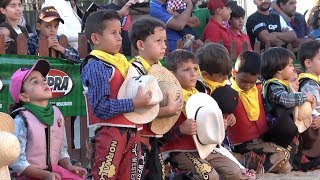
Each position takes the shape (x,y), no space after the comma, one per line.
(171,90)
(303,116)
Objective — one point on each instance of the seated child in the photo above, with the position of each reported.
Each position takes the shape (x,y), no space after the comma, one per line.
(178,141)
(47,26)
(251,121)
(39,127)
(294,82)
(277,69)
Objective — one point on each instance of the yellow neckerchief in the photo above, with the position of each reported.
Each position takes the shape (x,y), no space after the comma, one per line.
(186,96)
(309,76)
(249,99)
(213,85)
(118,60)
(144,63)
(283,82)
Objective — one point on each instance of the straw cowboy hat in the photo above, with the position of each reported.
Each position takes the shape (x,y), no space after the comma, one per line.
(129,89)
(303,116)
(171,90)
(9,145)
(210,126)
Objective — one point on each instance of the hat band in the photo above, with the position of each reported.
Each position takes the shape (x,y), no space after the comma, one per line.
(195,118)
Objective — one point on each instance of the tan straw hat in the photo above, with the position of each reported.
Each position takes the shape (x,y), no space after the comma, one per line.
(129,89)
(6,123)
(9,152)
(171,90)
(210,125)
(303,116)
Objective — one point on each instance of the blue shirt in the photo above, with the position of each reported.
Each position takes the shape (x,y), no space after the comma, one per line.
(315,33)
(159,11)
(96,76)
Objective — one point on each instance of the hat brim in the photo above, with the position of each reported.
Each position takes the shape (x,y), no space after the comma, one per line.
(49,19)
(42,66)
(6,123)
(194,102)
(303,124)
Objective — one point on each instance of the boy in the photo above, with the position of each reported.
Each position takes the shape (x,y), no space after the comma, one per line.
(47,26)
(236,25)
(148,37)
(251,121)
(215,31)
(178,141)
(116,138)
(309,56)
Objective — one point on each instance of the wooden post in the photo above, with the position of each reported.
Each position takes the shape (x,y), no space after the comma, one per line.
(83,45)
(84,135)
(22,45)
(43,49)
(233,50)
(245,46)
(2,44)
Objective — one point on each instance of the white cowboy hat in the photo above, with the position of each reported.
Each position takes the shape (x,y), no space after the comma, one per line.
(303,116)
(129,89)
(9,152)
(171,90)
(210,126)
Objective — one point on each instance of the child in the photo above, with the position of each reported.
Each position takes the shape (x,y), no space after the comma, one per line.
(47,26)
(178,141)
(215,31)
(34,117)
(309,54)
(277,69)
(116,138)
(294,82)
(12,10)
(236,25)
(251,121)
(148,36)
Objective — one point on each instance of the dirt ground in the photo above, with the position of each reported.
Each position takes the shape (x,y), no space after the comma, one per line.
(312,175)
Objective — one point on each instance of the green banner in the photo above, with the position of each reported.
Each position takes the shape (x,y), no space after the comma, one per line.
(63,79)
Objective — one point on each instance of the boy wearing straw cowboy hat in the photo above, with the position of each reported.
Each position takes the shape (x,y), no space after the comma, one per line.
(181,141)
(251,121)
(148,36)
(116,142)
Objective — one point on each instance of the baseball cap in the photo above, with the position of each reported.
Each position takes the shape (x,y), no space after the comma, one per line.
(48,14)
(215,4)
(227,98)
(21,74)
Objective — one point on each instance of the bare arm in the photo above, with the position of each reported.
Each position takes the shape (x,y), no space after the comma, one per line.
(275,6)
(265,37)
(37,173)
(179,22)
(193,22)
(286,36)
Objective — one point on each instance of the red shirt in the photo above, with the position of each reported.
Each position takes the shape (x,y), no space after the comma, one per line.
(239,39)
(214,32)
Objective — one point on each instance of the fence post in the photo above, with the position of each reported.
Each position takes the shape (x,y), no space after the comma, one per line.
(63,41)
(2,44)
(83,45)
(43,49)
(233,50)
(22,45)
(245,46)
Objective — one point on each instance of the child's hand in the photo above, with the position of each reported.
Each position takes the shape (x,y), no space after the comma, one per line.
(176,106)
(229,120)
(315,123)
(188,127)
(142,100)
(311,99)
(52,176)
(79,171)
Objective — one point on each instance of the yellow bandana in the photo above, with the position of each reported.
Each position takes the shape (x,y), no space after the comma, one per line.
(118,60)
(186,96)
(249,99)
(309,76)
(213,85)
(283,82)
(144,63)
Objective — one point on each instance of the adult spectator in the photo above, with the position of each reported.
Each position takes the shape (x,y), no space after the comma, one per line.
(265,27)
(174,23)
(287,8)
(122,6)
(309,14)
(203,14)
(72,22)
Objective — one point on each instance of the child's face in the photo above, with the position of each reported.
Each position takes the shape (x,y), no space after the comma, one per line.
(186,74)
(48,29)
(294,82)
(225,13)
(245,81)
(216,77)
(110,40)
(288,72)
(314,64)
(13,11)
(237,23)
(36,89)
(154,47)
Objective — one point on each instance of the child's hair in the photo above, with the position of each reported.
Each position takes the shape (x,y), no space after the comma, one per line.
(96,22)
(237,11)
(281,1)
(315,19)
(274,60)
(248,62)
(308,51)
(5,3)
(178,56)
(143,28)
(214,58)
